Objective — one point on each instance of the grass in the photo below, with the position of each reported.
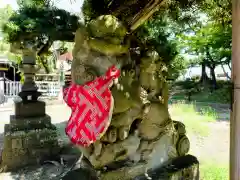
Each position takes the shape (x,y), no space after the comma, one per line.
(194,118)
(205,96)
(214,171)
(219,95)
(197,120)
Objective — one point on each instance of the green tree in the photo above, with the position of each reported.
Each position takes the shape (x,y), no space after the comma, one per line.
(40,20)
(39,23)
(219,11)
(211,46)
(209,35)
(5,14)
(161,32)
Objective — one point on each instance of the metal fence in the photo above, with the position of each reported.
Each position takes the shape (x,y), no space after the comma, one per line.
(49,88)
(10,89)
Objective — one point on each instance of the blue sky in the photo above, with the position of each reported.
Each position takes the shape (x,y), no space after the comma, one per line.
(74,7)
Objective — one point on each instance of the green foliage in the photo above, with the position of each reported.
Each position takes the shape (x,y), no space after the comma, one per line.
(157,33)
(42,61)
(5,13)
(16,58)
(196,78)
(66,47)
(220,95)
(38,21)
(187,84)
(211,45)
(126,9)
(214,171)
(209,38)
(34,3)
(17,61)
(4,46)
(40,25)
(177,67)
(219,11)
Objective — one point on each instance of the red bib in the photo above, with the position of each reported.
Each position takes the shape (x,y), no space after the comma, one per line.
(91,105)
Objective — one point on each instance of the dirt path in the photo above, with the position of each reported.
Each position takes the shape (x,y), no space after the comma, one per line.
(215,146)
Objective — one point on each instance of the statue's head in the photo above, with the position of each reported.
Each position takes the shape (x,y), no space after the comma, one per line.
(107,39)
(105,44)
(108,29)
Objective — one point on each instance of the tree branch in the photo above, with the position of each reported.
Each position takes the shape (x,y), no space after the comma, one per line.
(145,13)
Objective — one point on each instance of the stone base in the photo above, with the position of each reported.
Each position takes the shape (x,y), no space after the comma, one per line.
(185,167)
(28,141)
(30,109)
(29,123)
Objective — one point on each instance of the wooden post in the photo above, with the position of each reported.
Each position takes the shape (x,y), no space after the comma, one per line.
(235,114)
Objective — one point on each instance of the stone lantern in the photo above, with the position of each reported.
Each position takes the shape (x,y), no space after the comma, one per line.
(30,137)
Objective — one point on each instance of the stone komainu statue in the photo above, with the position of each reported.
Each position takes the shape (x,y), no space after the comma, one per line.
(142,134)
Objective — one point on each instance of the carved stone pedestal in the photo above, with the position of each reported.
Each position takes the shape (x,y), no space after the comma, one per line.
(30,137)
(185,167)
(180,168)
(30,109)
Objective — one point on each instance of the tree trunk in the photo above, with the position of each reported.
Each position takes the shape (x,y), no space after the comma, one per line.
(213,77)
(204,77)
(225,73)
(133,13)
(45,64)
(229,66)
(54,60)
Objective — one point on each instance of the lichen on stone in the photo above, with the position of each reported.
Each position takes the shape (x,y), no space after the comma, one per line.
(141,128)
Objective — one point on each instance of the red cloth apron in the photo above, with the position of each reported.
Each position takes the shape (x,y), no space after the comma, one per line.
(91,105)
